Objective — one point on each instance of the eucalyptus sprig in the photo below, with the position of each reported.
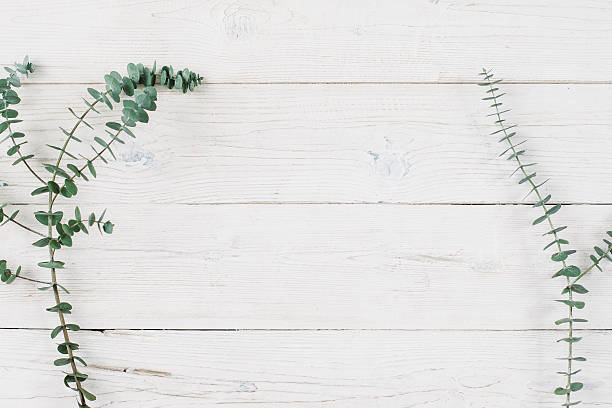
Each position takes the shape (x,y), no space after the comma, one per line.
(138,95)
(571,274)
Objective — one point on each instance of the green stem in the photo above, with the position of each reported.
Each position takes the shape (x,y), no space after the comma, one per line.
(98,154)
(544,207)
(27,228)
(22,159)
(76,125)
(59,312)
(587,270)
(34,280)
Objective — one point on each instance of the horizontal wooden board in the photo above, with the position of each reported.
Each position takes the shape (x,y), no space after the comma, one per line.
(334,143)
(314,41)
(314,266)
(305,369)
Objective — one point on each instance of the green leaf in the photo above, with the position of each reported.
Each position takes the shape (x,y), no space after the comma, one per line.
(12,150)
(91,168)
(55,170)
(128,86)
(23,159)
(570,339)
(569,271)
(63,347)
(567,320)
(53,187)
(557,241)
(70,186)
(66,240)
(63,307)
(43,217)
(555,231)
(576,386)
(108,227)
(561,391)
(573,303)
(67,153)
(56,331)
(61,362)
(106,101)
(88,394)
(133,72)
(94,93)
(40,190)
(52,264)
(539,219)
(115,125)
(42,242)
(553,209)
(578,289)
(112,84)
(561,256)
(100,141)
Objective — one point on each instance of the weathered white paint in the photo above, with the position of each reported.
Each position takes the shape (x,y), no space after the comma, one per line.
(311,189)
(317,41)
(335,143)
(311,369)
(316,266)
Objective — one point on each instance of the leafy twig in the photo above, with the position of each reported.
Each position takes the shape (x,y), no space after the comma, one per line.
(568,271)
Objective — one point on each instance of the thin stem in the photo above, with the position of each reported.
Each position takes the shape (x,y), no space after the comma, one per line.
(60,313)
(93,159)
(101,152)
(544,207)
(33,280)
(22,159)
(587,270)
(27,228)
(76,125)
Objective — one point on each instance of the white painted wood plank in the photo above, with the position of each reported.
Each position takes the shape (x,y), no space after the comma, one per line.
(336,143)
(314,266)
(305,369)
(292,40)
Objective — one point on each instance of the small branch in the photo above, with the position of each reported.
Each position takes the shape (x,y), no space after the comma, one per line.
(535,189)
(101,151)
(91,160)
(593,264)
(27,228)
(25,161)
(76,125)
(33,280)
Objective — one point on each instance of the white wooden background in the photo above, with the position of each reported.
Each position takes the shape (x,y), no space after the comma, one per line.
(325,223)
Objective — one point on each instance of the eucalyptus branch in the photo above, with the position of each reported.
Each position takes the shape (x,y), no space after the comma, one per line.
(5,219)
(508,132)
(595,260)
(26,227)
(22,158)
(10,97)
(61,230)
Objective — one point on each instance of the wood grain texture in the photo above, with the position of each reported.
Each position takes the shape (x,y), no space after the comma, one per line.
(334,143)
(305,369)
(318,41)
(320,226)
(316,266)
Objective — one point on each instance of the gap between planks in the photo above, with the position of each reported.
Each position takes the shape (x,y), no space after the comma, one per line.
(110,330)
(378,203)
(508,82)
